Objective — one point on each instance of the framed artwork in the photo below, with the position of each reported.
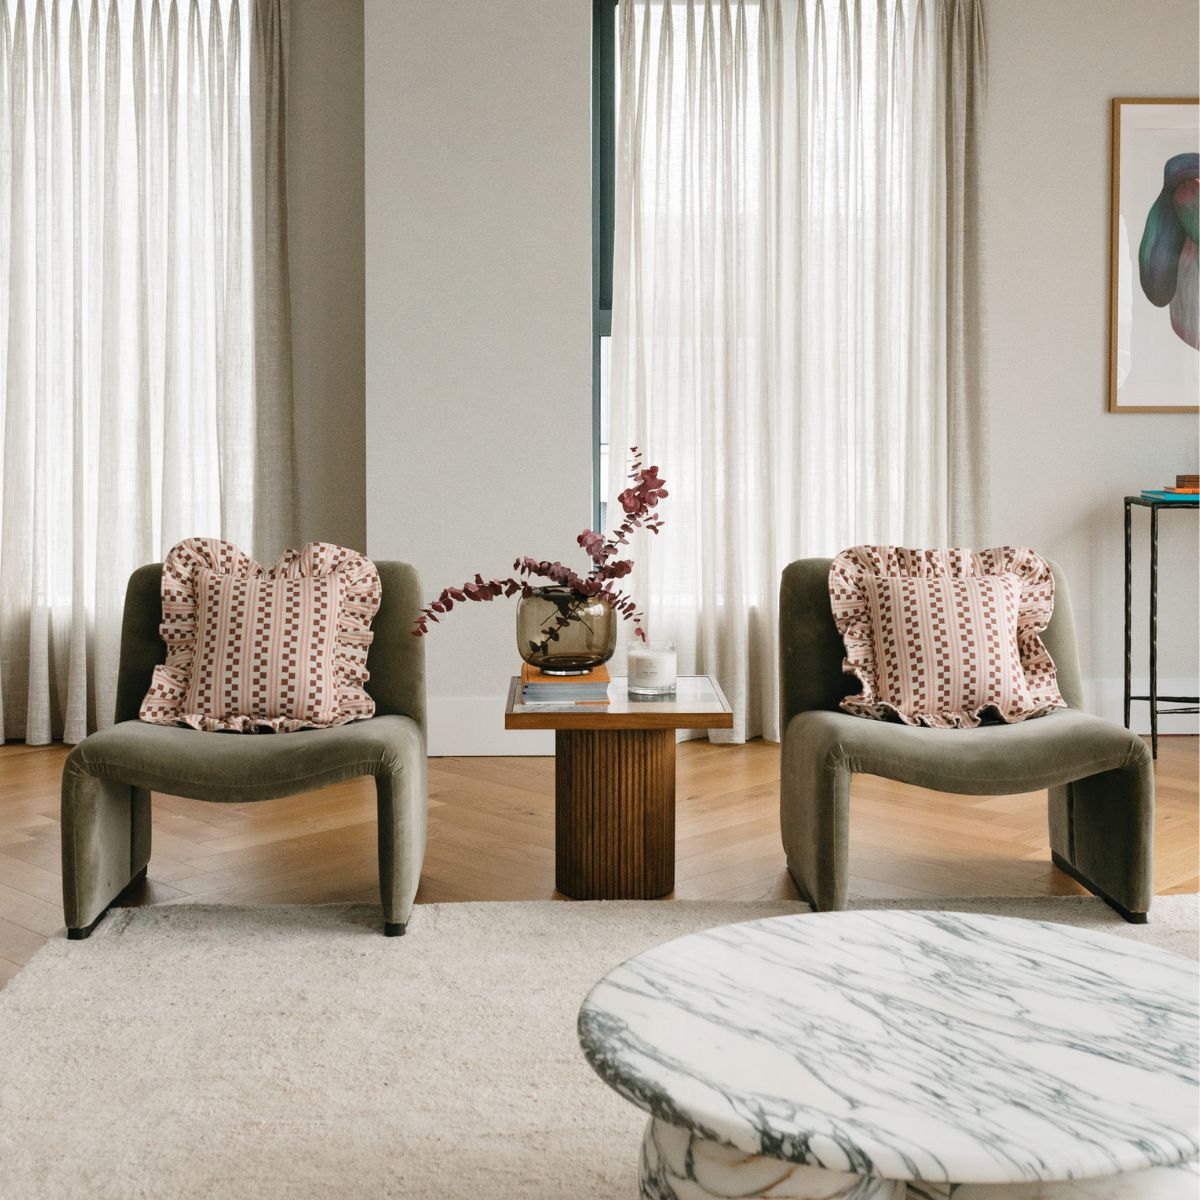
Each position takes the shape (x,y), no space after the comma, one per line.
(1154,301)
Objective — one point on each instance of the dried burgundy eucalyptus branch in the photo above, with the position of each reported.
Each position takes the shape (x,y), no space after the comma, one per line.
(637,501)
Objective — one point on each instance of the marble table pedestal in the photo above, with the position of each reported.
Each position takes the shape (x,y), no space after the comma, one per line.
(676,1164)
(905,1056)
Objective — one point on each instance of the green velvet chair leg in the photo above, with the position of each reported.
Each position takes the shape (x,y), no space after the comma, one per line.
(1102,833)
(140,848)
(105,844)
(814,817)
(400,795)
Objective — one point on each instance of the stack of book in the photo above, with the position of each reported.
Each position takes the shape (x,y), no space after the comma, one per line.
(1185,491)
(591,688)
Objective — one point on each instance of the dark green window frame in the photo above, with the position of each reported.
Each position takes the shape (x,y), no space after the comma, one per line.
(604,166)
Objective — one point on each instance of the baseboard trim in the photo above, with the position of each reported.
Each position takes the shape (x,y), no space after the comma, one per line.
(473,726)
(1106,698)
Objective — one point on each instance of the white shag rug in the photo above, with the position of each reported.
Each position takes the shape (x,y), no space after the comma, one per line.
(208,1051)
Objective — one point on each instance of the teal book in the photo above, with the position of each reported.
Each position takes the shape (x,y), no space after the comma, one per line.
(1169,497)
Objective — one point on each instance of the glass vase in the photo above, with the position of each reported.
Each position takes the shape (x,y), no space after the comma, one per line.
(564,633)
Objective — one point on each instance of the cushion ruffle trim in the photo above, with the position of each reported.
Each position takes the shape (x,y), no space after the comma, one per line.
(852,616)
(359,602)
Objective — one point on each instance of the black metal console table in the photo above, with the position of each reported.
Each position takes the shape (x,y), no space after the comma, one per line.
(1153,697)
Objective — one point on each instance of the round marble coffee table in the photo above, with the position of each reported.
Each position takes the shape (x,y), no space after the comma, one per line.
(881,1055)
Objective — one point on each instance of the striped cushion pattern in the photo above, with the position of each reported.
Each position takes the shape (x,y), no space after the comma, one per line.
(256,650)
(941,637)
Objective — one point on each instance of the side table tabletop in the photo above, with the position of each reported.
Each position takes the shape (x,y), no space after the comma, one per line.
(893,1055)
(614,783)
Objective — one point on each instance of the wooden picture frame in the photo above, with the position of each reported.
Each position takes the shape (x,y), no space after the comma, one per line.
(1154,355)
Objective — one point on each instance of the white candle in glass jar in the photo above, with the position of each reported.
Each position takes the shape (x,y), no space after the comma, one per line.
(652,668)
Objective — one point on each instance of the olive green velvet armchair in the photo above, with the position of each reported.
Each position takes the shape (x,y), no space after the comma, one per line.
(1099,776)
(108,777)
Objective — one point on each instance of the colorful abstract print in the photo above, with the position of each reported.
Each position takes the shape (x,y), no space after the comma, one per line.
(1167,261)
(251,650)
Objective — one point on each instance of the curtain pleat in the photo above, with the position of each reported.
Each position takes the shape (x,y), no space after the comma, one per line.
(274,432)
(137,404)
(963,56)
(795,322)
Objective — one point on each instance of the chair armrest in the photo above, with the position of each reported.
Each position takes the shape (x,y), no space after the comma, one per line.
(396,660)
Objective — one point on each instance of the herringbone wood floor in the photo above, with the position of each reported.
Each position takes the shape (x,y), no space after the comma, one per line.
(491,837)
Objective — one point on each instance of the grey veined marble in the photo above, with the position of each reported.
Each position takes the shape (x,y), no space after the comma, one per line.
(884,1055)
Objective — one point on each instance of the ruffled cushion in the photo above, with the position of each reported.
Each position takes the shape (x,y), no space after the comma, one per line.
(936,637)
(254,650)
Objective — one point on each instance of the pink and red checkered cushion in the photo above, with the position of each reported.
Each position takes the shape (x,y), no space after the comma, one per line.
(936,637)
(253,650)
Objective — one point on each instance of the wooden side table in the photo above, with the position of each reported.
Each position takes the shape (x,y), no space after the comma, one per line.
(614,784)
(1155,700)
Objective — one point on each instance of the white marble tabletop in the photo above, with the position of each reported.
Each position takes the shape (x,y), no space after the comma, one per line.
(932,1046)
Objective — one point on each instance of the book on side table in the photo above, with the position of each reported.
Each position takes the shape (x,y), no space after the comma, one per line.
(1171,495)
(1185,491)
(538,688)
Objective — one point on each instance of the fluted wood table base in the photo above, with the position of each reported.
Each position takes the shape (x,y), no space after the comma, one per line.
(614,813)
(615,783)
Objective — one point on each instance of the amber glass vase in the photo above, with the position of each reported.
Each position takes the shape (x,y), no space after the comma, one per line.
(563,633)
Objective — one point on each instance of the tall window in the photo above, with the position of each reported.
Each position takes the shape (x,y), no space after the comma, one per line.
(145,352)
(793,321)
(604,160)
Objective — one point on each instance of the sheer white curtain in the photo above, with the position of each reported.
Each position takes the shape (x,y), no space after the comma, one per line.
(794,335)
(145,391)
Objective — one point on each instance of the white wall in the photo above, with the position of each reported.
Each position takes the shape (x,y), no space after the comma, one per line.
(325,249)
(478,303)
(478,334)
(1061,463)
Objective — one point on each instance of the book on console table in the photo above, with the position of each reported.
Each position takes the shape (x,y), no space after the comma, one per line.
(1170,495)
(539,688)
